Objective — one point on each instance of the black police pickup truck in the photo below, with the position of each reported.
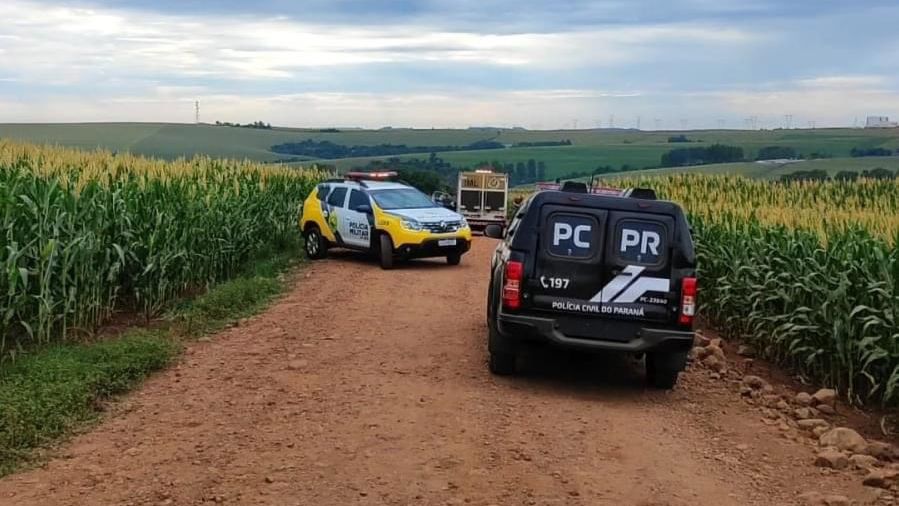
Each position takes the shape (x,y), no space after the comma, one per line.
(594,273)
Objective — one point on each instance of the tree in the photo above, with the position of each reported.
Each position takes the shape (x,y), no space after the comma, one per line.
(521,172)
(532,170)
(776,153)
(541,171)
(846,175)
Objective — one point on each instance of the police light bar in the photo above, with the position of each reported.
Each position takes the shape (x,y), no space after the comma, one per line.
(370,176)
(596,190)
(483,171)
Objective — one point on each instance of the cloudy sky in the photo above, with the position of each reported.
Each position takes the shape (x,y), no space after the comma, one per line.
(451,63)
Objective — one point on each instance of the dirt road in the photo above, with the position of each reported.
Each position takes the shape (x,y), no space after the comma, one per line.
(364,386)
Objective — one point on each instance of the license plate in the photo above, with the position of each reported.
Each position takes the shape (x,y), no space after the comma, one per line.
(446,242)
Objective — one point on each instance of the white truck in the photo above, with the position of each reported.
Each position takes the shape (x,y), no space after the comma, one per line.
(481,198)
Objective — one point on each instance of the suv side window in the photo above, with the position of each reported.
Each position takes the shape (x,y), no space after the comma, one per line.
(337,197)
(357,198)
(322,192)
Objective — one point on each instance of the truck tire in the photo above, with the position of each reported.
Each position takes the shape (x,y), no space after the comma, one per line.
(454,258)
(315,245)
(385,252)
(662,369)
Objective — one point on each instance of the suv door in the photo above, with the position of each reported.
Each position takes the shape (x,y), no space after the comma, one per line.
(355,227)
(568,271)
(638,257)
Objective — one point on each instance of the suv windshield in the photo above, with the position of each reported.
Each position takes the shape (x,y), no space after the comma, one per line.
(406,198)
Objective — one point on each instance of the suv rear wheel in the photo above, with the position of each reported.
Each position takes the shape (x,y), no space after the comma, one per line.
(385,252)
(454,258)
(316,246)
(662,369)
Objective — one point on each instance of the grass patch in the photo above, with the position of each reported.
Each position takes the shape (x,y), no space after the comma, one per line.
(47,393)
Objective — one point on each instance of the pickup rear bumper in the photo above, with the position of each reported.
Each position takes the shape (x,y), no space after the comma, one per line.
(608,335)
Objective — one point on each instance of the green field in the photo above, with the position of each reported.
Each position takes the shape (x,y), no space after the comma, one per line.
(591,148)
(775,170)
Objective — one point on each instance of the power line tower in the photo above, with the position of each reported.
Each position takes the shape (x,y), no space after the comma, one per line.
(611,121)
(721,124)
(197,112)
(788,121)
(638,122)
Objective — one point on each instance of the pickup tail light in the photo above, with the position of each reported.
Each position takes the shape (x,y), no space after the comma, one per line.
(512,285)
(687,301)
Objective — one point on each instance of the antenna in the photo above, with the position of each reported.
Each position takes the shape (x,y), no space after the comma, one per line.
(197,112)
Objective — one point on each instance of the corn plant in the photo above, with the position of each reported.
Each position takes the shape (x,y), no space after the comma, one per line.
(85,233)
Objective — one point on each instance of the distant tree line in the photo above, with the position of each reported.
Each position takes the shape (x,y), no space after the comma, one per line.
(330,150)
(716,153)
(540,144)
(256,124)
(678,138)
(860,152)
(777,153)
(843,175)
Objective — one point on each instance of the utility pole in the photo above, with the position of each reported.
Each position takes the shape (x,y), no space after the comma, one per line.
(197,112)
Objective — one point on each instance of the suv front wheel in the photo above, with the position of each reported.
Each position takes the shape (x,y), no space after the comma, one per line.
(662,369)
(385,251)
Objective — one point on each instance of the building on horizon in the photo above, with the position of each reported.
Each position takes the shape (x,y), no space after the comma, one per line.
(880,122)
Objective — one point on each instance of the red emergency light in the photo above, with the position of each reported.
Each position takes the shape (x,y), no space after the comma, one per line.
(370,176)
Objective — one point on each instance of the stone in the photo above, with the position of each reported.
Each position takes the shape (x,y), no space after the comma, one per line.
(754,382)
(745,350)
(296,365)
(832,458)
(819,499)
(825,396)
(859,461)
(817,431)
(844,439)
(714,363)
(811,423)
(782,405)
(880,450)
(827,409)
(875,478)
(802,413)
(803,399)
(713,349)
(701,340)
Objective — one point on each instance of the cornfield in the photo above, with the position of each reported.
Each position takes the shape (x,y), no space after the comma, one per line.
(806,272)
(84,233)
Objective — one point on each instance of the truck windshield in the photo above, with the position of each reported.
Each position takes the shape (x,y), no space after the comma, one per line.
(407,198)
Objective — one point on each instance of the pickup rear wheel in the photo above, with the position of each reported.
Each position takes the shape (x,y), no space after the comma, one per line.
(385,251)
(662,369)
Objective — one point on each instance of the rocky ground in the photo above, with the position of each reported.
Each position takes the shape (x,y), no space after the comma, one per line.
(364,386)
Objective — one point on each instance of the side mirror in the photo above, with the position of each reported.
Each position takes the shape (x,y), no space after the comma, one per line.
(364,208)
(494,231)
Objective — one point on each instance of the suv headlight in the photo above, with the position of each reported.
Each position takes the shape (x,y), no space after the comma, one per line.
(410,224)
(463,223)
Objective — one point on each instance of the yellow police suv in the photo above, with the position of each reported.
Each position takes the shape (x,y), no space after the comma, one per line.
(368,212)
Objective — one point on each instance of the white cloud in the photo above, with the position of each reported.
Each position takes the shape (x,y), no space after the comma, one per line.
(68,45)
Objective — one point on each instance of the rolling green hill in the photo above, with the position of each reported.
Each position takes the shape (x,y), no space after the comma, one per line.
(589,149)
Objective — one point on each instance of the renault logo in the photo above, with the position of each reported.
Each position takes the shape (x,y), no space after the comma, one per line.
(442,225)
